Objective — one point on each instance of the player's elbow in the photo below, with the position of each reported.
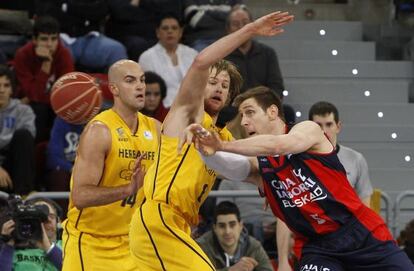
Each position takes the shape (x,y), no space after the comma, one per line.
(201,62)
(78,200)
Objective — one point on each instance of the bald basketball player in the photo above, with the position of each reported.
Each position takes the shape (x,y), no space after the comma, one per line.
(114,151)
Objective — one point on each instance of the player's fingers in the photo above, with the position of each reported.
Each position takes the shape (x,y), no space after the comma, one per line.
(137,164)
(197,143)
(273,15)
(284,20)
(279,15)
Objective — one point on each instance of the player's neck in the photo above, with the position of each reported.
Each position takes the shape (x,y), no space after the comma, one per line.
(128,116)
(279,127)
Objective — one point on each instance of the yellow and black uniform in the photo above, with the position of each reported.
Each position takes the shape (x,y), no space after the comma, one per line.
(96,238)
(175,187)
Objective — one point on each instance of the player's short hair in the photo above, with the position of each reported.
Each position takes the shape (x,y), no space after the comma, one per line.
(152,78)
(264,96)
(45,24)
(323,108)
(236,79)
(226,208)
(6,71)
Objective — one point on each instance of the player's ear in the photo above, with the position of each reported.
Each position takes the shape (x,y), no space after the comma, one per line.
(114,89)
(272,111)
(339,126)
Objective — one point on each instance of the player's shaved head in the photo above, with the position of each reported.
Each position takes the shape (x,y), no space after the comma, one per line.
(119,68)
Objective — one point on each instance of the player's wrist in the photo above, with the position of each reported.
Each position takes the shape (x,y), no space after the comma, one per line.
(223,146)
(251,28)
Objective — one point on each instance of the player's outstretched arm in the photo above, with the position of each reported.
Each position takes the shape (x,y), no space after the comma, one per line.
(187,106)
(94,144)
(304,136)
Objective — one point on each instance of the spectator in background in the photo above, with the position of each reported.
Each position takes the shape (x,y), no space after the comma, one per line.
(206,20)
(327,116)
(154,95)
(169,57)
(260,222)
(38,65)
(81,22)
(257,63)
(61,152)
(18,255)
(17,134)
(133,22)
(406,240)
(229,246)
(60,156)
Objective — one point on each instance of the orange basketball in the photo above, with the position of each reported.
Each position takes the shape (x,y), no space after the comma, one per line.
(76,98)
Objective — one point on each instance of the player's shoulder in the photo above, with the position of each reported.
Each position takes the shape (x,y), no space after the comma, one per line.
(148,121)
(96,127)
(306,125)
(96,136)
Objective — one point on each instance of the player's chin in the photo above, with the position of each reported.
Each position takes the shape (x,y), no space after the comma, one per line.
(214,107)
(139,105)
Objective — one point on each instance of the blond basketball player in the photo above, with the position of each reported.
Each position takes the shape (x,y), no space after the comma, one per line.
(178,183)
(107,175)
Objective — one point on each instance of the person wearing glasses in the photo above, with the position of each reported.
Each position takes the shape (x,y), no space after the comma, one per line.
(35,255)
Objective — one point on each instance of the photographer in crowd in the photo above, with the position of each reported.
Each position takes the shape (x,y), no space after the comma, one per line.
(29,235)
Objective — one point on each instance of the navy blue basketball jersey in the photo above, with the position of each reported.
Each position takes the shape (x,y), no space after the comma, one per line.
(311,194)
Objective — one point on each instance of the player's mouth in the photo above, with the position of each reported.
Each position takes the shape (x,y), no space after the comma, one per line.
(217,98)
(251,133)
(140,96)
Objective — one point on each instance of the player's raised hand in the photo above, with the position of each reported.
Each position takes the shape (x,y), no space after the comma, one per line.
(208,144)
(187,135)
(270,25)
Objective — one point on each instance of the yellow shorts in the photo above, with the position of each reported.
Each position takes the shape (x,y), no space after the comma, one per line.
(85,252)
(160,240)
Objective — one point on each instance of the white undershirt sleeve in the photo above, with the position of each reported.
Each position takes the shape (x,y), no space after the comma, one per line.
(232,166)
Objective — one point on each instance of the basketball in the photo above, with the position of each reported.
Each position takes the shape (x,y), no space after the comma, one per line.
(76,98)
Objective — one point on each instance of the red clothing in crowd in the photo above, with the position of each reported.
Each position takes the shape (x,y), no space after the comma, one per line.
(159,114)
(35,83)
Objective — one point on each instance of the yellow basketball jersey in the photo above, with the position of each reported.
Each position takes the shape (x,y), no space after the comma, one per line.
(183,181)
(113,219)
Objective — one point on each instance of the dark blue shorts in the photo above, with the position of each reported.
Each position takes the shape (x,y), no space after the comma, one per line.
(353,248)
